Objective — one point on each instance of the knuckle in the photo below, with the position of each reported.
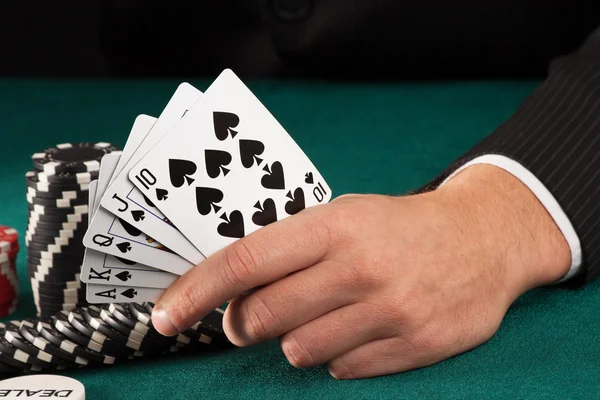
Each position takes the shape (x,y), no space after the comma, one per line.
(298,355)
(260,322)
(240,262)
(339,369)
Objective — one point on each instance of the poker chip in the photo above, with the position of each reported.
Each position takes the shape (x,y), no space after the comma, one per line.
(64,349)
(58,212)
(67,178)
(42,386)
(32,181)
(18,358)
(72,157)
(146,342)
(58,203)
(91,315)
(58,194)
(62,325)
(83,333)
(123,314)
(46,360)
(9,282)
(36,218)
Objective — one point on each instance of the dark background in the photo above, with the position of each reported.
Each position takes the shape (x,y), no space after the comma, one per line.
(364,39)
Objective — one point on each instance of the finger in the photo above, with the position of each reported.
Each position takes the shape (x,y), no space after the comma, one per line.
(379,357)
(333,334)
(262,257)
(289,303)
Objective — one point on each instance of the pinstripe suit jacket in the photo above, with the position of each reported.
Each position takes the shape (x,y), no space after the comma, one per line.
(555,134)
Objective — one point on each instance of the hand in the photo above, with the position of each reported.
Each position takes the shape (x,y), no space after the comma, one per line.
(375,285)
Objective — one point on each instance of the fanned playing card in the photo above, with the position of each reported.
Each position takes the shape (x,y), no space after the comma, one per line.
(131,206)
(227,169)
(106,269)
(106,233)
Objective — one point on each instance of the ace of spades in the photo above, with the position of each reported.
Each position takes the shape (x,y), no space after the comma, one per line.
(229,168)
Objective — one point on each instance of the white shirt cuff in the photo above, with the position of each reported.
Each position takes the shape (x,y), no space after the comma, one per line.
(543,195)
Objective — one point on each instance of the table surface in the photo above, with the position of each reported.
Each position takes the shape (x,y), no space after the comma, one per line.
(546,347)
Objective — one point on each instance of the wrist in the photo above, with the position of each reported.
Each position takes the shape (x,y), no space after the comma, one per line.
(505,218)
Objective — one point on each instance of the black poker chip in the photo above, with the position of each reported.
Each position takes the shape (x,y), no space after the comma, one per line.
(32,180)
(149,307)
(19,356)
(56,202)
(53,291)
(59,299)
(65,271)
(123,314)
(146,343)
(64,285)
(6,358)
(35,217)
(47,238)
(71,249)
(27,331)
(84,328)
(72,157)
(58,212)
(67,178)
(36,227)
(40,277)
(35,254)
(94,352)
(47,360)
(62,324)
(58,194)
(8,369)
(196,333)
(91,314)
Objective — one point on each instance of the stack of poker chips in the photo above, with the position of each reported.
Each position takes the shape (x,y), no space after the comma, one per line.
(9,283)
(94,336)
(57,197)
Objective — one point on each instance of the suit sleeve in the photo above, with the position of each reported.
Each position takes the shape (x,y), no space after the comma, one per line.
(555,134)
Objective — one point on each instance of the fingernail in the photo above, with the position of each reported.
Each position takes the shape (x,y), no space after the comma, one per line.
(162,322)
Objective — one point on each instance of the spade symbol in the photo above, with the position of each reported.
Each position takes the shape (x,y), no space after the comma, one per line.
(215,161)
(124,276)
(132,230)
(206,199)
(234,227)
(267,213)
(124,261)
(147,200)
(124,247)
(249,151)
(180,171)
(138,215)
(162,194)
(308,178)
(130,293)
(273,179)
(224,122)
(296,204)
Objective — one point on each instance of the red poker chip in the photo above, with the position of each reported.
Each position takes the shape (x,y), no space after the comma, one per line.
(8,309)
(8,234)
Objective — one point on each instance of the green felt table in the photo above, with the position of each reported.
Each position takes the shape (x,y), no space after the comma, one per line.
(365,138)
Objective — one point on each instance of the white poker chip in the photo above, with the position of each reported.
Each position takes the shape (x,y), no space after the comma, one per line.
(42,387)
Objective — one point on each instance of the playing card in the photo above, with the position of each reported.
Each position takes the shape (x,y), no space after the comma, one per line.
(102,294)
(130,205)
(227,169)
(105,269)
(106,233)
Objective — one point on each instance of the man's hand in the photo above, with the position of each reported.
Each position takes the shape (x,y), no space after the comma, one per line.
(375,285)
